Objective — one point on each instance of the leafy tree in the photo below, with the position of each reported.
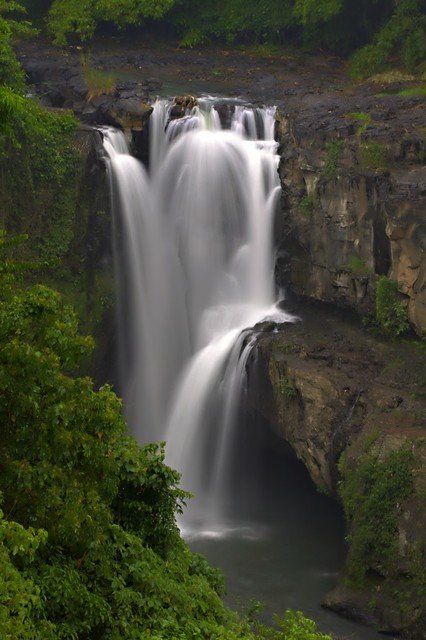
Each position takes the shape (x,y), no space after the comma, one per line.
(68,17)
(11,73)
(229,20)
(20,598)
(403,35)
(313,11)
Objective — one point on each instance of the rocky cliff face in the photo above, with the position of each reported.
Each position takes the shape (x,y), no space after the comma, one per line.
(353,200)
(337,394)
(354,196)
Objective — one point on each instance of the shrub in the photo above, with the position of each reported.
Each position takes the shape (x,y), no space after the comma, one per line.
(403,34)
(98,82)
(363,118)
(306,205)
(373,155)
(286,388)
(39,185)
(391,315)
(333,151)
(11,73)
(372,491)
(357,266)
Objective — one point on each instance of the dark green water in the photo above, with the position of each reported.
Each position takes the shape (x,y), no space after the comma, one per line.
(284,544)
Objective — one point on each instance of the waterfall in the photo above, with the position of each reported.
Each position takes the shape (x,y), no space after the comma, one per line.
(195,263)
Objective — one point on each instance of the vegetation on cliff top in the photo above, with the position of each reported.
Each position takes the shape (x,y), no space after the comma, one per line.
(378,30)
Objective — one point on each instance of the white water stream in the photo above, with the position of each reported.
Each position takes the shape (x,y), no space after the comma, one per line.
(194,249)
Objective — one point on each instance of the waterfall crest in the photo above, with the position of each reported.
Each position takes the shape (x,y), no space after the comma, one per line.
(194,253)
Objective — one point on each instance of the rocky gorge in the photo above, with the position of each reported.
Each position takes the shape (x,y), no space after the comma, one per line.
(352,210)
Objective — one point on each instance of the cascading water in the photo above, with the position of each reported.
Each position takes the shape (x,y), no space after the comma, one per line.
(195,259)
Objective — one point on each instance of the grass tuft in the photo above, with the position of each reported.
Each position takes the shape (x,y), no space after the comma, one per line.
(98,82)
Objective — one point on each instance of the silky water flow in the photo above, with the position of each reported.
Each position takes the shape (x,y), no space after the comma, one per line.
(195,262)
(193,249)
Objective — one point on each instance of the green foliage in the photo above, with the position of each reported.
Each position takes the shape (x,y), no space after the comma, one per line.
(70,17)
(367,61)
(313,11)
(413,92)
(359,115)
(402,35)
(306,205)
(20,601)
(38,168)
(11,73)
(380,27)
(373,155)
(333,151)
(292,626)
(39,165)
(286,388)
(357,266)
(80,17)
(372,491)
(98,82)
(391,315)
(363,118)
(200,566)
(252,21)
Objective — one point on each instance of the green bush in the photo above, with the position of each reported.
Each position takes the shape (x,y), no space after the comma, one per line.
(373,155)
(11,73)
(391,315)
(67,18)
(39,167)
(333,151)
(372,491)
(306,205)
(286,388)
(292,626)
(98,82)
(357,266)
(402,35)
(230,20)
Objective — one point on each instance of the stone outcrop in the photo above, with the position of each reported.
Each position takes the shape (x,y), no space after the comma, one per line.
(59,81)
(328,388)
(354,197)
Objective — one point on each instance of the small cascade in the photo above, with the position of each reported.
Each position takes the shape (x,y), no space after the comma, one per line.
(194,251)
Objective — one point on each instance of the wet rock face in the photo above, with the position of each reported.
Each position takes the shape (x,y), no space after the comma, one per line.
(310,387)
(352,208)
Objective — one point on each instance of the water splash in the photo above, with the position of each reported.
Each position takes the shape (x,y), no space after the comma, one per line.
(195,255)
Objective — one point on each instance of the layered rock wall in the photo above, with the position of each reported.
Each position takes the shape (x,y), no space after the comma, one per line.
(353,207)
